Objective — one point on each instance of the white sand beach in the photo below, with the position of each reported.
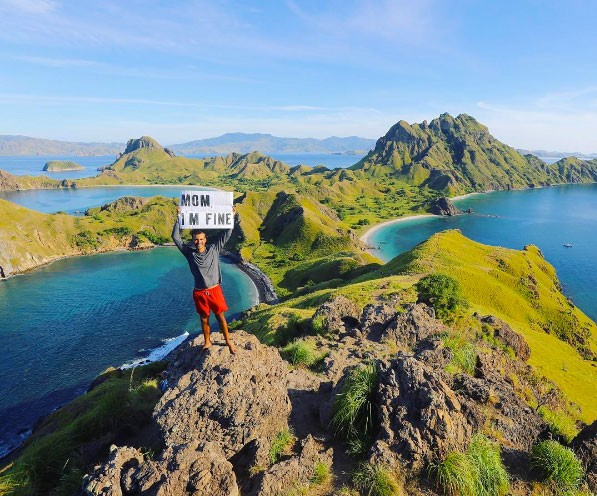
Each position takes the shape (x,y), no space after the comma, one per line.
(366,236)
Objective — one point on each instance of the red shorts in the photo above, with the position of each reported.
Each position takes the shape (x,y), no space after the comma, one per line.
(209,299)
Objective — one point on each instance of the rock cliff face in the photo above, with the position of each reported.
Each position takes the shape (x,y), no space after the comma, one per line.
(443,206)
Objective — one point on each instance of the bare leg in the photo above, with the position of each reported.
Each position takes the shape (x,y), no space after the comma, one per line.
(224,327)
(205,327)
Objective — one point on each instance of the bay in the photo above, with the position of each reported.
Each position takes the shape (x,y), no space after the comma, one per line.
(546,217)
(63,324)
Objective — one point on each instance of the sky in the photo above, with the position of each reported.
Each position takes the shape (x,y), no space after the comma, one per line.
(184,70)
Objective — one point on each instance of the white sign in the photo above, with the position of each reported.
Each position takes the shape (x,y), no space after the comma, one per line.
(206,210)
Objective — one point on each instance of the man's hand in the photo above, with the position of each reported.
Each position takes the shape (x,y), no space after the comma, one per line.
(234,209)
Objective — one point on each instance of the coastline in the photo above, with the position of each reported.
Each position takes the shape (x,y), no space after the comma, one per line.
(365,237)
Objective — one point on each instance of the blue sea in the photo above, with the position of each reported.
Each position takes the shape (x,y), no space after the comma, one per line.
(546,217)
(63,324)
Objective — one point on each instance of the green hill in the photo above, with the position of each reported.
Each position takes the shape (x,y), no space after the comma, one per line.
(456,155)
(29,238)
(519,287)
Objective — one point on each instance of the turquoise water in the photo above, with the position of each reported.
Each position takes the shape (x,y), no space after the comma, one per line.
(547,217)
(76,201)
(33,165)
(63,324)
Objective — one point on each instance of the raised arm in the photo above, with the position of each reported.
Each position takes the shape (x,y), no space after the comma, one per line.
(177,239)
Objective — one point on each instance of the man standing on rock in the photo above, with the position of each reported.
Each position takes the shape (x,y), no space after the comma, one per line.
(204,262)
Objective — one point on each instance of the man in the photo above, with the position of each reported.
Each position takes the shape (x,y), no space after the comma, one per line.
(204,262)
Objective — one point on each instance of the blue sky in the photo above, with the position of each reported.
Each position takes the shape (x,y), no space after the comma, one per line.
(177,71)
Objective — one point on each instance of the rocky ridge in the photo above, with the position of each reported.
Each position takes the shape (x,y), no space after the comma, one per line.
(220,414)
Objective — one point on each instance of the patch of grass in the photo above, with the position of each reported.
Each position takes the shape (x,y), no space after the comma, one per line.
(320,325)
(560,423)
(300,353)
(557,465)
(321,474)
(492,476)
(375,480)
(464,355)
(281,445)
(456,475)
(354,408)
(478,472)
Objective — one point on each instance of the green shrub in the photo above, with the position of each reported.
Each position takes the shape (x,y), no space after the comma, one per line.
(557,464)
(441,292)
(281,443)
(478,472)
(375,481)
(354,408)
(156,239)
(321,474)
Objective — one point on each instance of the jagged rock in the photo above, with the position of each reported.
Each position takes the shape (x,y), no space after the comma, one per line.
(293,473)
(190,469)
(421,419)
(509,337)
(143,142)
(170,152)
(123,204)
(585,446)
(339,314)
(224,398)
(518,424)
(375,318)
(443,206)
(106,480)
(418,322)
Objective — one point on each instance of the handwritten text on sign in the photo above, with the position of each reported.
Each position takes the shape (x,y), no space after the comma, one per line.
(206,210)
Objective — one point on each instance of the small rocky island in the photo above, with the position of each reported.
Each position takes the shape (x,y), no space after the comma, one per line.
(62,165)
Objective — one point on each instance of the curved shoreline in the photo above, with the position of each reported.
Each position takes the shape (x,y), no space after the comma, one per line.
(365,237)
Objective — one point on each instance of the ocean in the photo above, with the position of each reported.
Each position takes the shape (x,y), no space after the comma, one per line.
(546,217)
(64,323)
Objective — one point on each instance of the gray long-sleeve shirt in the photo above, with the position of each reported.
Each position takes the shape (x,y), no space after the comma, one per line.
(205,266)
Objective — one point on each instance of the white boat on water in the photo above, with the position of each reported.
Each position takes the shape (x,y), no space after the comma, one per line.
(568,245)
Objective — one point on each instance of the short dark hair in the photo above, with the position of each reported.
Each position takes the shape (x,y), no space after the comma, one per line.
(196,232)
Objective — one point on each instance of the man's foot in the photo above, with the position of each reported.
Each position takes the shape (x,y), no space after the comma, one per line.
(206,346)
(231,347)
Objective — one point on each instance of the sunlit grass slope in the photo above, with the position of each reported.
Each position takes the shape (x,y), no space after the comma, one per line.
(520,287)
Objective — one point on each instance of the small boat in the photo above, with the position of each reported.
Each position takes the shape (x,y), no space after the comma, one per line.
(568,245)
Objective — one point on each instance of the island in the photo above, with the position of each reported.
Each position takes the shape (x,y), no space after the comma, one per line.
(62,165)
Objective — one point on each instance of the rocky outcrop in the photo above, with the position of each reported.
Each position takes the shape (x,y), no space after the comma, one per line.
(443,206)
(508,337)
(217,407)
(585,446)
(195,468)
(143,142)
(338,314)
(295,472)
(216,397)
(417,323)
(124,204)
(421,418)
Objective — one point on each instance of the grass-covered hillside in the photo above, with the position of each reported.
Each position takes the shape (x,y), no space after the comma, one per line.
(29,238)
(519,287)
(459,155)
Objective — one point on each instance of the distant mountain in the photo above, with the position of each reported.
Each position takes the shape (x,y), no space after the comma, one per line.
(459,155)
(552,154)
(266,143)
(25,145)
